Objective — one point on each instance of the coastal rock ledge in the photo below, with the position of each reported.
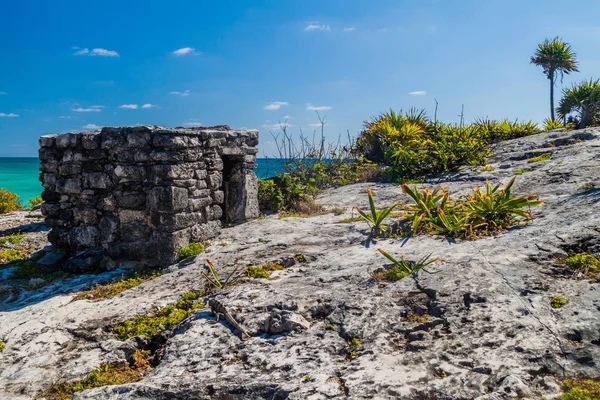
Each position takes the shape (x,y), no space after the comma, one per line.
(479,325)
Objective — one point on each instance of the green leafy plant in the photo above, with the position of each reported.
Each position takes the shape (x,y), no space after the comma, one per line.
(2,346)
(582,99)
(108,290)
(488,168)
(8,201)
(12,239)
(558,302)
(580,389)
(402,268)
(585,263)
(116,373)
(263,271)
(375,218)
(217,283)
(496,208)
(35,201)
(543,157)
(550,125)
(159,319)
(191,250)
(426,208)
(556,59)
(522,171)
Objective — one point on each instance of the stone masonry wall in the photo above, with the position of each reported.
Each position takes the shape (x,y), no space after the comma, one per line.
(141,193)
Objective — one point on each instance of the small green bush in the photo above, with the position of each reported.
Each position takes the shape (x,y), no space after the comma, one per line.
(35,201)
(522,171)
(543,157)
(116,373)
(264,271)
(488,168)
(108,290)
(580,389)
(159,318)
(191,250)
(2,346)
(585,263)
(8,201)
(550,125)
(8,256)
(12,239)
(558,302)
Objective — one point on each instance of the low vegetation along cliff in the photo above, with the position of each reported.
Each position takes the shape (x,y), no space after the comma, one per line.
(451,294)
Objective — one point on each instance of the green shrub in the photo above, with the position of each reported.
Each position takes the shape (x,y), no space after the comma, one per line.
(191,250)
(488,168)
(580,389)
(116,373)
(263,271)
(558,302)
(582,99)
(8,256)
(482,212)
(12,239)
(99,292)
(585,263)
(522,171)
(550,125)
(159,318)
(543,157)
(35,201)
(2,346)
(375,218)
(8,201)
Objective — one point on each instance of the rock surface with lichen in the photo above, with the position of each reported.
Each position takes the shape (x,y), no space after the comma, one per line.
(478,325)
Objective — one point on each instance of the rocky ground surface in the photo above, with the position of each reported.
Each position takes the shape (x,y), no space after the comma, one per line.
(488,329)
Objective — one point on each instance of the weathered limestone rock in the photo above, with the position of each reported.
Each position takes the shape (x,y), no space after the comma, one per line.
(134,192)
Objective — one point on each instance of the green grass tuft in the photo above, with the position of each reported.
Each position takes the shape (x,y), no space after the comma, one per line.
(264,271)
(160,318)
(488,168)
(585,263)
(12,239)
(2,346)
(107,374)
(522,171)
(191,250)
(558,302)
(543,157)
(580,389)
(107,290)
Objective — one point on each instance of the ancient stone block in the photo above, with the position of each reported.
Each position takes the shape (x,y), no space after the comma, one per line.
(141,193)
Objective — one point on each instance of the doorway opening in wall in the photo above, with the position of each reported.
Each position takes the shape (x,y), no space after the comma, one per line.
(234,203)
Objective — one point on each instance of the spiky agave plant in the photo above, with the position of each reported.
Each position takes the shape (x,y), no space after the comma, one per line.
(496,208)
(402,268)
(375,218)
(218,283)
(426,208)
(550,125)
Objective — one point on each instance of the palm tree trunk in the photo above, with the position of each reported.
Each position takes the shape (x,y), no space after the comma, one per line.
(552,97)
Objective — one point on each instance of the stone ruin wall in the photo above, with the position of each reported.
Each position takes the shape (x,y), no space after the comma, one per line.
(141,193)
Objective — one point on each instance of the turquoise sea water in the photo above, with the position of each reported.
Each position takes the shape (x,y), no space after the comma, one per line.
(21,175)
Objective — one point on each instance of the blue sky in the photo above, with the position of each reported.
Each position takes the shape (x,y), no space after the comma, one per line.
(74,65)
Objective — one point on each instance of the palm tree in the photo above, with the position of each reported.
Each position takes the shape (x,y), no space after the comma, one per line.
(555,57)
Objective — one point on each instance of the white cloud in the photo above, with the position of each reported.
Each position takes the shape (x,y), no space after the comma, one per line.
(418,93)
(88,109)
(104,53)
(287,117)
(91,126)
(315,125)
(277,126)
(129,106)
(65,117)
(349,29)
(183,94)
(184,51)
(314,26)
(276,105)
(1,93)
(310,107)
(95,52)
(9,115)
(148,105)
(192,124)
